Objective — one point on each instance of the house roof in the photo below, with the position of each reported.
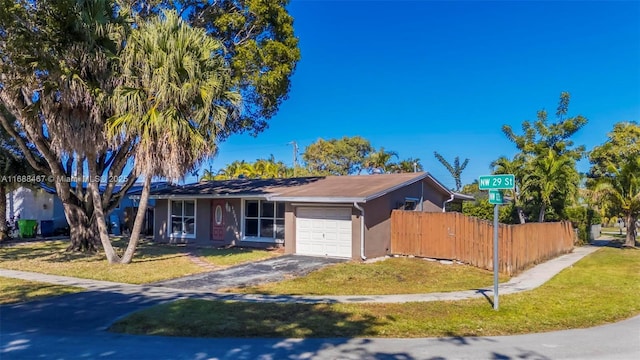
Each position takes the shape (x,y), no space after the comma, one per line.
(133,190)
(332,189)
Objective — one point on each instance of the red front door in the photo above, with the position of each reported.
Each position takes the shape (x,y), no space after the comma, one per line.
(217,220)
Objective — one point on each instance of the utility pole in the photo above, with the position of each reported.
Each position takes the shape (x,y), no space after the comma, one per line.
(295,156)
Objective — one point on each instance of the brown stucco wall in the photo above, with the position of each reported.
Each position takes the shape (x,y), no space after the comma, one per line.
(433,200)
(161,222)
(378,214)
(232,222)
(355,234)
(203,222)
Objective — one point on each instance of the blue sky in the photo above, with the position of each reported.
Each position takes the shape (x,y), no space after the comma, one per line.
(422,76)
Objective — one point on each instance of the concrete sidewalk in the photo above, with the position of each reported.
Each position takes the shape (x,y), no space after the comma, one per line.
(528,280)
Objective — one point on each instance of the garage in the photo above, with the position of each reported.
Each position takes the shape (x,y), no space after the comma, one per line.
(323,231)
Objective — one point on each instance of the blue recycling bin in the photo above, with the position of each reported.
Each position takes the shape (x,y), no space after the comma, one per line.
(115,225)
(46,228)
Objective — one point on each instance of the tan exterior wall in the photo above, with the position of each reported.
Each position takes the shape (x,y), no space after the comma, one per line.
(289,229)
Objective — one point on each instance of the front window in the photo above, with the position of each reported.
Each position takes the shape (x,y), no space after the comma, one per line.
(264,219)
(183,218)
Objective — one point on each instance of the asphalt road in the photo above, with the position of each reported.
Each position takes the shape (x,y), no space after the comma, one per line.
(73,327)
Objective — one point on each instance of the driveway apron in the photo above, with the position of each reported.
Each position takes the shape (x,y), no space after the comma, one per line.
(276,269)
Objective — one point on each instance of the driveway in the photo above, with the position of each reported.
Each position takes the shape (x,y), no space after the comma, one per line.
(275,269)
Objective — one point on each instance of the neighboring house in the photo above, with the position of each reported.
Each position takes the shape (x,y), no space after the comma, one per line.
(128,208)
(42,204)
(337,216)
(35,204)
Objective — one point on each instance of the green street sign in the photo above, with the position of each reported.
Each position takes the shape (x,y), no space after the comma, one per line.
(495,197)
(497,182)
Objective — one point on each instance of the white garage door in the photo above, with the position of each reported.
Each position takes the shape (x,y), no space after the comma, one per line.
(323,231)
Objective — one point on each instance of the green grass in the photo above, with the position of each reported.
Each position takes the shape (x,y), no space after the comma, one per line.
(601,288)
(613,230)
(234,256)
(14,290)
(152,262)
(391,276)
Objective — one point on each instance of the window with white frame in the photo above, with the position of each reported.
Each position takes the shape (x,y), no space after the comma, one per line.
(264,219)
(183,218)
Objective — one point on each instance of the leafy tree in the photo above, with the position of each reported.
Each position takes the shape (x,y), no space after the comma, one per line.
(59,69)
(270,168)
(337,156)
(538,138)
(235,170)
(56,72)
(455,170)
(503,165)
(380,161)
(407,166)
(174,99)
(544,147)
(614,176)
(552,177)
(481,208)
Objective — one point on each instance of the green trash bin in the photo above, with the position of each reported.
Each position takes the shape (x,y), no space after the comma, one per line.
(27,228)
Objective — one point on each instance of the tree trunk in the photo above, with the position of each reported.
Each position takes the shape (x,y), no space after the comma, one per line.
(543,208)
(3,211)
(631,231)
(521,214)
(98,213)
(518,208)
(83,231)
(139,220)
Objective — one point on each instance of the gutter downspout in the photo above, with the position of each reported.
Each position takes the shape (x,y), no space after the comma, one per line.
(355,204)
(444,204)
(421,195)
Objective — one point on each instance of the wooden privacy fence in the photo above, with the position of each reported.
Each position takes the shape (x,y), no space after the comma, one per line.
(470,240)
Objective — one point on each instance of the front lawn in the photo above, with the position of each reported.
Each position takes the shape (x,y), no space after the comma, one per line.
(391,276)
(15,290)
(599,289)
(152,262)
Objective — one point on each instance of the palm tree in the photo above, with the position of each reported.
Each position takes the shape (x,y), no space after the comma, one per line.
(407,166)
(517,166)
(269,168)
(174,101)
(552,177)
(380,160)
(455,170)
(621,187)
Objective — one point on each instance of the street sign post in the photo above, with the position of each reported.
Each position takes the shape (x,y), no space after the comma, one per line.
(495,197)
(495,183)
